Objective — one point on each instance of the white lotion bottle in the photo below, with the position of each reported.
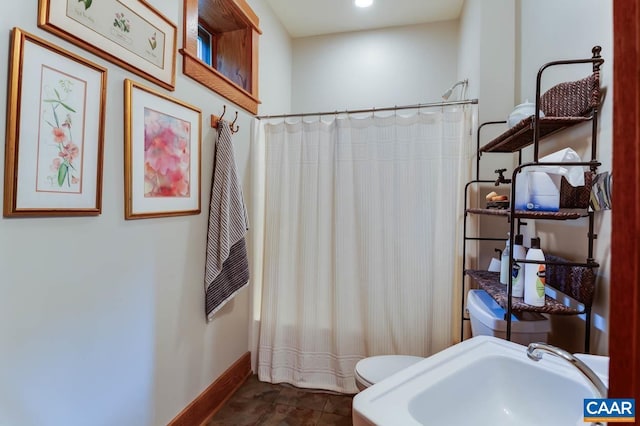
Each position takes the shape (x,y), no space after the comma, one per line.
(504,262)
(534,278)
(519,252)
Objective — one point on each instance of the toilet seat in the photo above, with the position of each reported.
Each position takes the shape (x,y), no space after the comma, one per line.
(371,370)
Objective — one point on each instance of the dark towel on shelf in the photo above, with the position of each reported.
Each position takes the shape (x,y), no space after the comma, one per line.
(227,265)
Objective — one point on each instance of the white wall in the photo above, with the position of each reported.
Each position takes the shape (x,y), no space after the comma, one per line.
(552,30)
(487,56)
(387,67)
(101,319)
(276,62)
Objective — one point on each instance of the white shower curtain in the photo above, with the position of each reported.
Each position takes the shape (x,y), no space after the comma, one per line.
(357,253)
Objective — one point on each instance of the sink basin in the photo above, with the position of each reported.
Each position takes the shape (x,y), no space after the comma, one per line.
(481,381)
(599,365)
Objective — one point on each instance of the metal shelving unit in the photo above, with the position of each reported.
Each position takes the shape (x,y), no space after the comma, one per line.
(574,279)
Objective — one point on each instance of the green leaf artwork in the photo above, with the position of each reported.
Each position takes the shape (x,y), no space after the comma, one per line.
(62,104)
(87,3)
(122,22)
(62,173)
(153,42)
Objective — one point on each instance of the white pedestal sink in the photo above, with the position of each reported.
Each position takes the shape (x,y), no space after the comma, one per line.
(481,381)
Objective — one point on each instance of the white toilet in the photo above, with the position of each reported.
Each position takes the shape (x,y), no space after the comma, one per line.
(371,370)
(487,318)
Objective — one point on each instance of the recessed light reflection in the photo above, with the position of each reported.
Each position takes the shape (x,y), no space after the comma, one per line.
(363,3)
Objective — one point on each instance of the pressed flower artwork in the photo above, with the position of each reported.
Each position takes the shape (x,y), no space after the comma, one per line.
(167,155)
(60,138)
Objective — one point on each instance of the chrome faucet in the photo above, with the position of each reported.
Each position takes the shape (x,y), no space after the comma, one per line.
(535,350)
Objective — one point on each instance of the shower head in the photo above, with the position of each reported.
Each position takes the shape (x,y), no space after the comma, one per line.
(449,91)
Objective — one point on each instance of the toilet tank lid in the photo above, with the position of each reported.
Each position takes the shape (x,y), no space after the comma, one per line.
(376,368)
(484,309)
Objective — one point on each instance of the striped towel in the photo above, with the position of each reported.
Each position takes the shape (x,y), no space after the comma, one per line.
(227,265)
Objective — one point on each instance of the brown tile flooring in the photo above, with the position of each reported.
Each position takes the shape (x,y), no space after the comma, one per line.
(266,404)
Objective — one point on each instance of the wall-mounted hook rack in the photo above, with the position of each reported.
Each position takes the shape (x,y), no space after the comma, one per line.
(215,120)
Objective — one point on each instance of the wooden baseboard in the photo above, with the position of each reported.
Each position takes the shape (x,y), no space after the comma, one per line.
(211,400)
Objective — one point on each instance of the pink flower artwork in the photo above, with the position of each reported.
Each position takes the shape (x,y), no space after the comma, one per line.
(60,142)
(167,156)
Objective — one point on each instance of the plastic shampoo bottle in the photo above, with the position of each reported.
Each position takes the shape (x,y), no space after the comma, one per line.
(504,262)
(534,275)
(519,252)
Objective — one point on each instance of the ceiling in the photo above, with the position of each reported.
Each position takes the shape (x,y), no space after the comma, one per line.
(304,18)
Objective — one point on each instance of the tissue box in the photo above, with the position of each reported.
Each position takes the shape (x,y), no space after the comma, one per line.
(547,187)
(544,192)
(550,192)
(538,191)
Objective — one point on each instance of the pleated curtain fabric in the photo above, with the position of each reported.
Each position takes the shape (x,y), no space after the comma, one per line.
(360,255)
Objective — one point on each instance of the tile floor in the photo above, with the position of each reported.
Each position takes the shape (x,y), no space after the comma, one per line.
(265,404)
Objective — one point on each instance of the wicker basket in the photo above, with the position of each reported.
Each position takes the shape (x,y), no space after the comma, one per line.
(573,98)
(578,282)
(575,197)
(564,105)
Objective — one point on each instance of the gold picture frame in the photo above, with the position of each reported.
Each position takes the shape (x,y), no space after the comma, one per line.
(55,131)
(129,33)
(162,154)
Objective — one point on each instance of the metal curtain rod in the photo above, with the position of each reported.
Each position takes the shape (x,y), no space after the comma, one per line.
(354,111)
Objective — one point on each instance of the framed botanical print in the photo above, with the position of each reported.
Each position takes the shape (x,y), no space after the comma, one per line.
(129,33)
(162,154)
(55,128)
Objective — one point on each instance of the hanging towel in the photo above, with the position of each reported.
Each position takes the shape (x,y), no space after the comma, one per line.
(227,265)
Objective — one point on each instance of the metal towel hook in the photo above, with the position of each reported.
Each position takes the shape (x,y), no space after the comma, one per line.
(233,123)
(215,120)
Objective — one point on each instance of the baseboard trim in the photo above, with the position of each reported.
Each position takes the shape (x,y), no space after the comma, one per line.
(213,398)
